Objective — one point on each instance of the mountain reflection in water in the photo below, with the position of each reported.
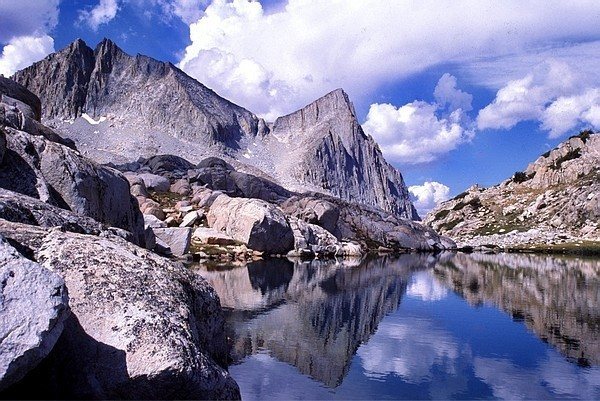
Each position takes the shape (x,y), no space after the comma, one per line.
(434,325)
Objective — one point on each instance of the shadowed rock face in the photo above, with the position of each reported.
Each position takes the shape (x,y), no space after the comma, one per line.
(557,298)
(313,315)
(136,106)
(331,151)
(33,308)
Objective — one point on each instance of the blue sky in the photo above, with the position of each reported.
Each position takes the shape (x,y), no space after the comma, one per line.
(455,92)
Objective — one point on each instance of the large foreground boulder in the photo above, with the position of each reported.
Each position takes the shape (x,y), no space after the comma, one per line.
(256,223)
(141,327)
(58,175)
(33,308)
(39,163)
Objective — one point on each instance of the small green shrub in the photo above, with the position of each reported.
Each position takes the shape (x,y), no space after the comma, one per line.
(583,135)
(571,155)
(441,214)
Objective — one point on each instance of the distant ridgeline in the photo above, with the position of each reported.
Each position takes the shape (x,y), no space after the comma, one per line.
(553,205)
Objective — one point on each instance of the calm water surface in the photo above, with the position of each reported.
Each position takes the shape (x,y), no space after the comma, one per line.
(415,327)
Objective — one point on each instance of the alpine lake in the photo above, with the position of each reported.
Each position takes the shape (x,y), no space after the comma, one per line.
(415,326)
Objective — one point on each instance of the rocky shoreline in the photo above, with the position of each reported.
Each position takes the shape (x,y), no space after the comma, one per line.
(116,314)
(551,207)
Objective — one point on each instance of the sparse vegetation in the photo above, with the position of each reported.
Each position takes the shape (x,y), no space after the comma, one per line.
(450,225)
(583,135)
(571,155)
(475,203)
(520,177)
(441,214)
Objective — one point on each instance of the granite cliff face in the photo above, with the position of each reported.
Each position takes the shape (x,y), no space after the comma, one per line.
(118,107)
(555,202)
(324,146)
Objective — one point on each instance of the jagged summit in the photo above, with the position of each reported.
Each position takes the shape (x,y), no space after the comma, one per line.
(331,150)
(118,107)
(146,92)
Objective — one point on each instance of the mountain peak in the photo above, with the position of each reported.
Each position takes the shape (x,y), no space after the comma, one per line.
(78,44)
(337,100)
(107,46)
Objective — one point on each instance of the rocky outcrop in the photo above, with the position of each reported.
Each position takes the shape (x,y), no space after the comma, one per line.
(19,208)
(118,107)
(33,308)
(177,239)
(321,225)
(36,165)
(256,223)
(10,91)
(554,201)
(2,145)
(372,227)
(141,327)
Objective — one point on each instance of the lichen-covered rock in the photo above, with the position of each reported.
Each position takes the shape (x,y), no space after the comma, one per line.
(142,327)
(33,308)
(256,223)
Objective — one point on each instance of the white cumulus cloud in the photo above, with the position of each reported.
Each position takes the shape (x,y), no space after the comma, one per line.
(448,95)
(104,12)
(428,195)
(419,132)
(23,51)
(555,94)
(24,27)
(308,47)
(19,18)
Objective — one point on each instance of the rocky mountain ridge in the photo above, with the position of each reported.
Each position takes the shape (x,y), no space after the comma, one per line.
(118,107)
(553,204)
